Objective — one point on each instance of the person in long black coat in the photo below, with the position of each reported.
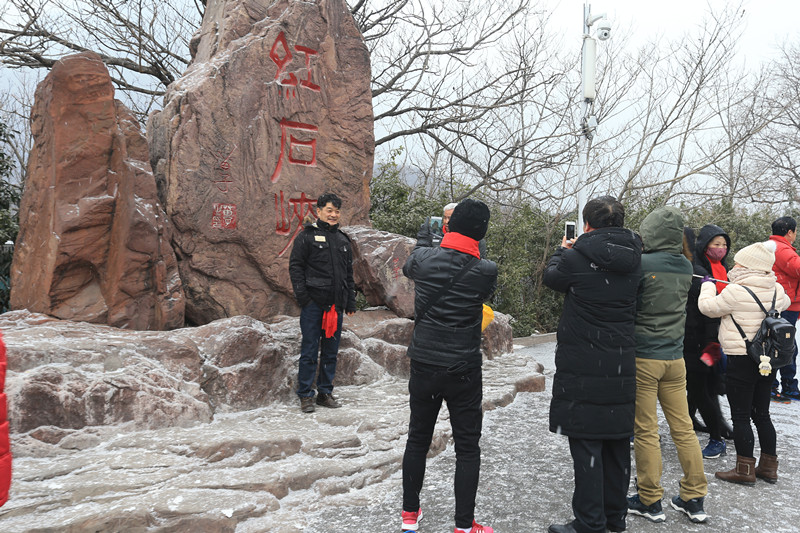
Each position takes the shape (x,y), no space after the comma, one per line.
(594,387)
(703,382)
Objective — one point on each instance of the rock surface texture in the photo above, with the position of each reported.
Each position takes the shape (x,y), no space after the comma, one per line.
(379,257)
(274,110)
(94,243)
(198,429)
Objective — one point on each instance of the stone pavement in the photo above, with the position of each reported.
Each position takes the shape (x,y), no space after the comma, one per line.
(526,479)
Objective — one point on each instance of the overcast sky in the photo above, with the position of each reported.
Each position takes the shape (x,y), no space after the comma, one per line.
(767,22)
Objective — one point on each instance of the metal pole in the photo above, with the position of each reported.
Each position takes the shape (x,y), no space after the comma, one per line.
(583,172)
(583,168)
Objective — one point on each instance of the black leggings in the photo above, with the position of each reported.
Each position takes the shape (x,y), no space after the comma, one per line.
(748,396)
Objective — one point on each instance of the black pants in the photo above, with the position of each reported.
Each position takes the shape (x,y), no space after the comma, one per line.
(602,475)
(748,396)
(463,392)
(702,393)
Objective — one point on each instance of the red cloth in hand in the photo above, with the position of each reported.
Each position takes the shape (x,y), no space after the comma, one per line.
(330,322)
(711,354)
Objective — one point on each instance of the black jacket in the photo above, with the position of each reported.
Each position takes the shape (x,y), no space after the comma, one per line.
(700,329)
(321,268)
(594,387)
(451,329)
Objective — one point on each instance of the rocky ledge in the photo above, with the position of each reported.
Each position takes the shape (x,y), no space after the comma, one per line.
(230,450)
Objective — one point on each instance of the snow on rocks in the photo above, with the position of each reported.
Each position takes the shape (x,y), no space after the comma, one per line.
(250,462)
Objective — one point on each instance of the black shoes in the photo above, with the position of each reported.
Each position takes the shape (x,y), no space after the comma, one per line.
(327,400)
(561,528)
(652,512)
(693,508)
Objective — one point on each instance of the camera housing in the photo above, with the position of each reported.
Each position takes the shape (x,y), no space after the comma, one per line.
(604,29)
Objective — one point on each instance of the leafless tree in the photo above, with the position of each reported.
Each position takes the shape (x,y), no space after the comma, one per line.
(777,149)
(483,95)
(682,119)
(143,43)
(476,91)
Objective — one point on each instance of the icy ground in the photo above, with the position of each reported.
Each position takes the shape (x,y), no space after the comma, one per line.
(526,480)
(265,469)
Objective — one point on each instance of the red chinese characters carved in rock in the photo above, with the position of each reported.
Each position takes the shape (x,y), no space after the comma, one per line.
(223,170)
(293,211)
(224,216)
(283,59)
(296,145)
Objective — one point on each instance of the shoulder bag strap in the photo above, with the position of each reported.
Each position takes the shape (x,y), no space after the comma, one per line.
(774,295)
(445,288)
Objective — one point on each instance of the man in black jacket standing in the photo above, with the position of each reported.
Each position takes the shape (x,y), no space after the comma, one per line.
(451,284)
(321,269)
(594,387)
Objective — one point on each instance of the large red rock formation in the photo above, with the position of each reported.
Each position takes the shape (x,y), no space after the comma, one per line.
(378,268)
(274,110)
(93,242)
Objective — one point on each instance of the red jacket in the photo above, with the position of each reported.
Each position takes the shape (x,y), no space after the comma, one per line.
(787,269)
(5,446)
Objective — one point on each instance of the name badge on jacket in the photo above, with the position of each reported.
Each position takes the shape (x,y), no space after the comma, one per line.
(319,238)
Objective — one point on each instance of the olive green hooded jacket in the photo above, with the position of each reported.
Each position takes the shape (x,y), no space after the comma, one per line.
(664,287)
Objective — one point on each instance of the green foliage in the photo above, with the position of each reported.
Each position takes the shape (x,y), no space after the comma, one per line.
(9,219)
(396,206)
(521,241)
(742,226)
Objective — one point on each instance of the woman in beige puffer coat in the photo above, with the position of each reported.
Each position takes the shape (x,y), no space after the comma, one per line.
(748,391)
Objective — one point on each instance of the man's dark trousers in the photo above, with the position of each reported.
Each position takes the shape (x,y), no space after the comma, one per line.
(311,328)
(788,372)
(463,392)
(602,475)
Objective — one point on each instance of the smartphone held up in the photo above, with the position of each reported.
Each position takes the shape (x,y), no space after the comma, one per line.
(435,224)
(569,230)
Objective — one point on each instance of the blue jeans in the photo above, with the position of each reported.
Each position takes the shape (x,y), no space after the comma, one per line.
(311,328)
(788,381)
(463,392)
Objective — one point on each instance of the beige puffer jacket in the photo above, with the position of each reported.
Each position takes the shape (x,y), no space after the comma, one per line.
(736,301)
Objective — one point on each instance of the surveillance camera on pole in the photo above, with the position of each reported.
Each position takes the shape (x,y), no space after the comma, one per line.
(589,86)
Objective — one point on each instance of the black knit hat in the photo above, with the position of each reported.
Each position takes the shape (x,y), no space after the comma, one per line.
(470,218)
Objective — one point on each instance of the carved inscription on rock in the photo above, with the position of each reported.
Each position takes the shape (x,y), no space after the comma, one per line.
(274,110)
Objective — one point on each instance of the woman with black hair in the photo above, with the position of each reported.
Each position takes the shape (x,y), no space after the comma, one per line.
(701,351)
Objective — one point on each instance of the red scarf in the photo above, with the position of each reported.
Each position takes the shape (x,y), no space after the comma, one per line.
(330,322)
(462,243)
(718,272)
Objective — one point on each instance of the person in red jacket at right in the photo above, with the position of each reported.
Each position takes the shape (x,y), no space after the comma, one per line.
(787,269)
(5,446)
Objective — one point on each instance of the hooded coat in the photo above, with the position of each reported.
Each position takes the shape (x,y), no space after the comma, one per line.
(701,329)
(594,387)
(664,289)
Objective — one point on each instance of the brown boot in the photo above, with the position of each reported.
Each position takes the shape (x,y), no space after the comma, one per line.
(743,473)
(767,468)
